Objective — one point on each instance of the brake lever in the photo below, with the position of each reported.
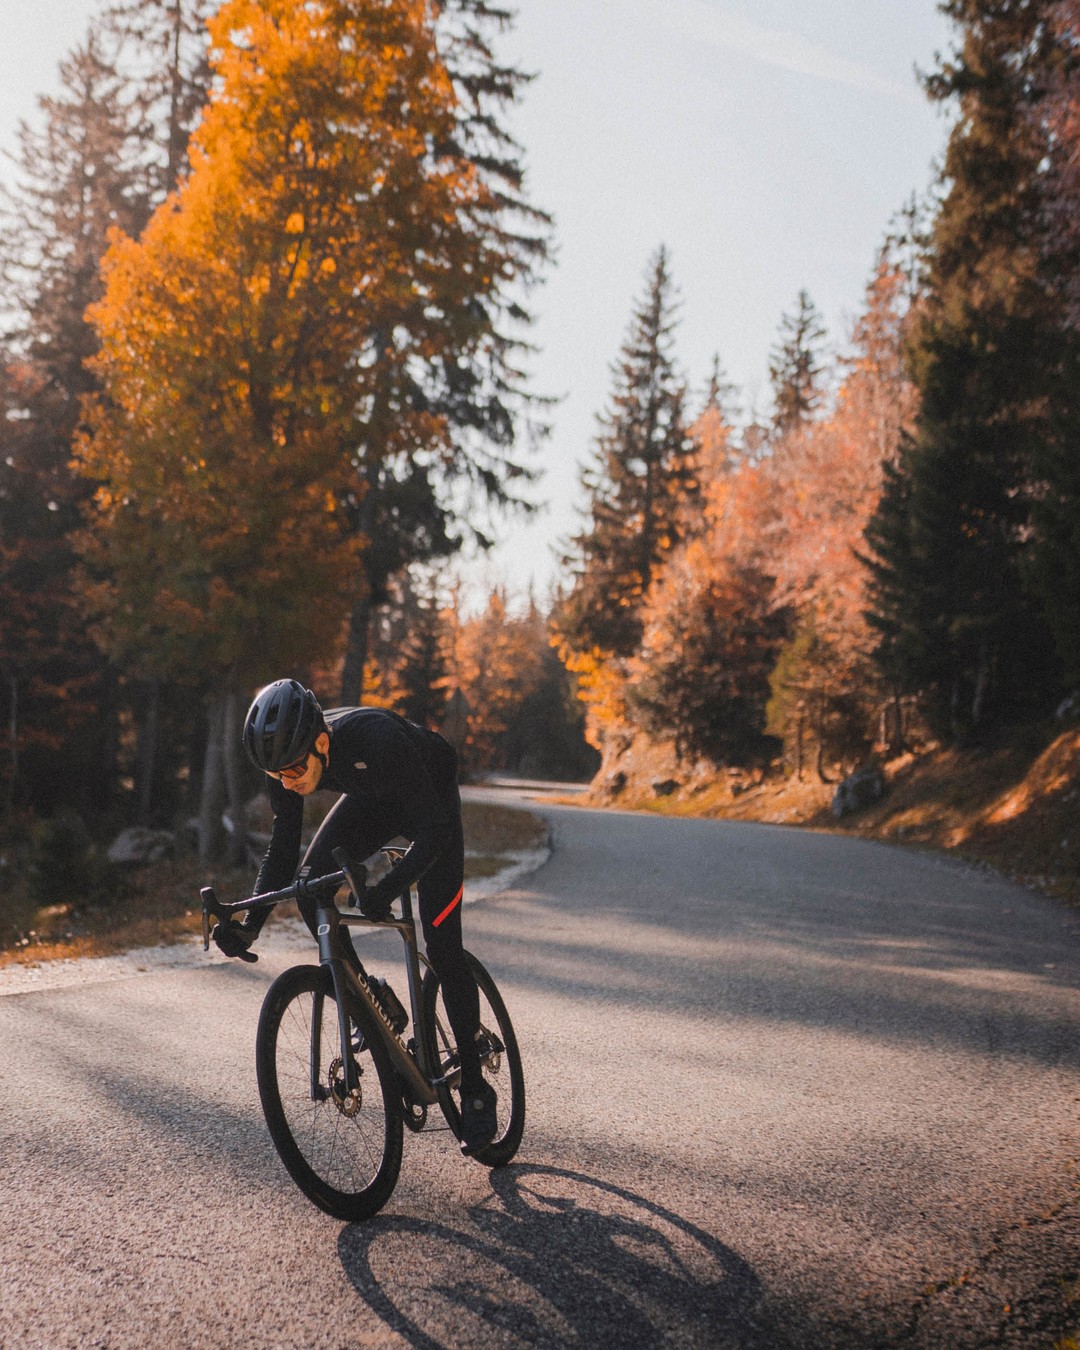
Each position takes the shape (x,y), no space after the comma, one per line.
(210,907)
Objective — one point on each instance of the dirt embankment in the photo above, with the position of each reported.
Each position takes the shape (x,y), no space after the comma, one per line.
(1014,806)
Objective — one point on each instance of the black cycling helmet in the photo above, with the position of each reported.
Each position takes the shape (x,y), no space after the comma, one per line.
(282,725)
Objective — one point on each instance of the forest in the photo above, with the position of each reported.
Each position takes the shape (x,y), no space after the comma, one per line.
(267,274)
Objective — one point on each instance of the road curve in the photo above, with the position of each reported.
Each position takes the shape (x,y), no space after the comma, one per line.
(785,1089)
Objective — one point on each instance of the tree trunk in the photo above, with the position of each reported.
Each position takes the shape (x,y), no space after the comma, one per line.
(356,653)
(13,729)
(982,685)
(231,727)
(146,754)
(819,766)
(891,730)
(356,650)
(211,829)
(176,139)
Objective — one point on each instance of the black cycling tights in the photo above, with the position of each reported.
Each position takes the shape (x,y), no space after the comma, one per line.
(357,829)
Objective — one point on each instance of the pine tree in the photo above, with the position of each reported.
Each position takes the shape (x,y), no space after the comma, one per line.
(641,486)
(423,669)
(475,388)
(1054,570)
(949,543)
(795,367)
(163,53)
(709,644)
(72,187)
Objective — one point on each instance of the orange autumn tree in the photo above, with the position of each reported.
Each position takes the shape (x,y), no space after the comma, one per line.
(826,691)
(757,626)
(497,661)
(245,335)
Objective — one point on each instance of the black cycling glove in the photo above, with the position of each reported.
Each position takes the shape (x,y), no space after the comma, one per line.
(375,903)
(235,939)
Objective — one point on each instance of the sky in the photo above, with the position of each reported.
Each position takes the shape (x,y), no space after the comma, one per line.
(767,144)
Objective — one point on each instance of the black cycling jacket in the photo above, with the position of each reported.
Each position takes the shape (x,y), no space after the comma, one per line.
(406,772)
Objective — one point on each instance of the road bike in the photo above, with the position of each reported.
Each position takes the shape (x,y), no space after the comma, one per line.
(337,1079)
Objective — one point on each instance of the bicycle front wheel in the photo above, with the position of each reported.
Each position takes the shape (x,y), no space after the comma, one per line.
(500,1061)
(343,1150)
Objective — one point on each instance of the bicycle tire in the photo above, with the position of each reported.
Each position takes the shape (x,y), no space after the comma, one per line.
(501,1065)
(344,1154)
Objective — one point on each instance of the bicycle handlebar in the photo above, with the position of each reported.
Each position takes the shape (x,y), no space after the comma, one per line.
(352,874)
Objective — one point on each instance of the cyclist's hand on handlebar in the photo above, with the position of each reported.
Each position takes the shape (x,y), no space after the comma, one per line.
(235,939)
(375,903)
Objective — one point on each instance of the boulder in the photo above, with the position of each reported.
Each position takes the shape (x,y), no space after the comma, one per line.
(860,789)
(138,846)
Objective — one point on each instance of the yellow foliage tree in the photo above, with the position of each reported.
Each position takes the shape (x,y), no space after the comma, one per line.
(497,659)
(320,237)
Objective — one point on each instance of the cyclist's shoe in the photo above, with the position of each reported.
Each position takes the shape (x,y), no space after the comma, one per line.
(478,1123)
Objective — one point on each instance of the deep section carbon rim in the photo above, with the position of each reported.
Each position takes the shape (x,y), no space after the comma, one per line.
(343,1150)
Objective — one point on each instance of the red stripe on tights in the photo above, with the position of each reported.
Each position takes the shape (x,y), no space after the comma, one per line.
(449,907)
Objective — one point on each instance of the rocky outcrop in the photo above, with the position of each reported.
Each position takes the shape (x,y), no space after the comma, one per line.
(858,790)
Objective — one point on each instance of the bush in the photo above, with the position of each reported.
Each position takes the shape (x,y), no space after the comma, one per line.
(66,867)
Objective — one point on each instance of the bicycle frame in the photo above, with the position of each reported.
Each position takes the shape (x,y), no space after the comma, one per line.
(417,1074)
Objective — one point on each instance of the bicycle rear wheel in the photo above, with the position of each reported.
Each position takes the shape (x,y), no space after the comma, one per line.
(344,1152)
(500,1060)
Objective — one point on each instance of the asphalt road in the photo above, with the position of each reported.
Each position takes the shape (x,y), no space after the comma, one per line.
(785,1089)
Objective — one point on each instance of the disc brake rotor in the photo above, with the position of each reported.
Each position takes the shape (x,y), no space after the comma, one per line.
(490,1048)
(348,1103)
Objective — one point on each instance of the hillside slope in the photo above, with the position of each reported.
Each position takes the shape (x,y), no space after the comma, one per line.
(1014,806)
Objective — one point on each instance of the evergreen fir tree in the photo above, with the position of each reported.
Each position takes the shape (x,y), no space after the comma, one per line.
(73,186)
(1054,572)
(162,50)
(706,659)
(644,475)
(477,391)
(949,542)
(795,367)
(422,674)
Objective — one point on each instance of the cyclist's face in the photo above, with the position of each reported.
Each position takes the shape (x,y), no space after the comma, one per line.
(305,779)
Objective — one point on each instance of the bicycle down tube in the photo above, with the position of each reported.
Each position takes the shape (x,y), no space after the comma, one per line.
(328,917)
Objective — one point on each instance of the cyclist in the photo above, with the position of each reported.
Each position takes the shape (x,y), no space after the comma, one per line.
(395,779)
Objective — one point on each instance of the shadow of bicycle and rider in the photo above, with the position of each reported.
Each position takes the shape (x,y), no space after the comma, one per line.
(553,1257)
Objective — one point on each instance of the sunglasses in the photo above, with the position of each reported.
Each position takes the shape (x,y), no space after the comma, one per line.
(294,770)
